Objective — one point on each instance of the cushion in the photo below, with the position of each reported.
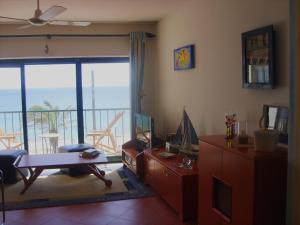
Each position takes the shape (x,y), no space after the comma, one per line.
(11,155)
(75,148)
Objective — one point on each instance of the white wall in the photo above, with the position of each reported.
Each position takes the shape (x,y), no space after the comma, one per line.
(214,87)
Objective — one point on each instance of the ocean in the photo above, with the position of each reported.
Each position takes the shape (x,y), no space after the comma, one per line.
(105,97)
(65,122)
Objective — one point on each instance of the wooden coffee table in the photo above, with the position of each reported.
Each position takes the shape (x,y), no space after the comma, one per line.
(37,163)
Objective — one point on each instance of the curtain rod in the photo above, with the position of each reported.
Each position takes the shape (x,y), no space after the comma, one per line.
(49,36)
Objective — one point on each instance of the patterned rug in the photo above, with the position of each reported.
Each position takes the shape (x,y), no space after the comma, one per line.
(60,189)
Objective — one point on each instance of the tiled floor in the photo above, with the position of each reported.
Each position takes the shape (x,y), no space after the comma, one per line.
(146,211)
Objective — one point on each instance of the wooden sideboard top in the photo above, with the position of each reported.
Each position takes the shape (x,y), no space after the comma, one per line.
(172,163)
(247,151)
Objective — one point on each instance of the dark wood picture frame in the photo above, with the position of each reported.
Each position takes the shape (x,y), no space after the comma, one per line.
(258,54)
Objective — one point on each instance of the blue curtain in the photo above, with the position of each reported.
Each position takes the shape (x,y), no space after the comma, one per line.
(137,61)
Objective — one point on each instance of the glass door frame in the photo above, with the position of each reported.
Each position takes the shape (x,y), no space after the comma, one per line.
(21,63)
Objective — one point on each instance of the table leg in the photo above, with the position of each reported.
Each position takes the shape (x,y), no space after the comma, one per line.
(33,175)
(98,173)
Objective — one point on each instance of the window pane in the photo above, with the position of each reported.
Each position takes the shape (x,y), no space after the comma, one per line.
(11,122)
(106,105)
(51,106)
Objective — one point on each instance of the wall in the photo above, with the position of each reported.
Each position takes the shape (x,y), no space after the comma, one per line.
(294,156)
(214,87)
(81,47)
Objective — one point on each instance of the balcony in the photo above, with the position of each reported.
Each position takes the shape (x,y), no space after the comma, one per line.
(106,129)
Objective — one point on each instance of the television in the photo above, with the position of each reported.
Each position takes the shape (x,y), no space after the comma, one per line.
(143,130)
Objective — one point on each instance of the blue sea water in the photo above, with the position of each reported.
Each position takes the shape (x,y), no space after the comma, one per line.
(105,97)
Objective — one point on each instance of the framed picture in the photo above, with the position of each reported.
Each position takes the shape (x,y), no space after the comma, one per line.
(184,58)
(259,58)
(276,117)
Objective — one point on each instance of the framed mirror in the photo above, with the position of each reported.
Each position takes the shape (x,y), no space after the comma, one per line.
(276,117)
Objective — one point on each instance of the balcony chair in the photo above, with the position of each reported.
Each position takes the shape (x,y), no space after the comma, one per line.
(8,140)
(98,136)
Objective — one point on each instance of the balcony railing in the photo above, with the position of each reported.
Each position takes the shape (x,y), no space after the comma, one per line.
(49,129)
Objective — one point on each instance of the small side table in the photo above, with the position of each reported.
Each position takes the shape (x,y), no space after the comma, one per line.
(47,138)
(2,194)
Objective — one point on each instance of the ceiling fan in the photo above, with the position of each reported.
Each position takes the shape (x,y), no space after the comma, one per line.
(47,17)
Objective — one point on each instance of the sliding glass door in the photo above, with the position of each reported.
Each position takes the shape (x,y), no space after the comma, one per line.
(105,89)
(51,106)
(47,103)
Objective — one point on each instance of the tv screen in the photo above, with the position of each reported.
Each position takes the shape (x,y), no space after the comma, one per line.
(143,130)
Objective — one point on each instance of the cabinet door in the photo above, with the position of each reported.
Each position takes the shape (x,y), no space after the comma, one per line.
(149,170)
(172,191)
(239,173)
(209,164)
(161,185)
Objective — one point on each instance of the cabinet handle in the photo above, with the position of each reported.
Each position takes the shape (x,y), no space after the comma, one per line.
(166,173)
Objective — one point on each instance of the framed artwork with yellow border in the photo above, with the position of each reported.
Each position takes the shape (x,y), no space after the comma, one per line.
(184,58)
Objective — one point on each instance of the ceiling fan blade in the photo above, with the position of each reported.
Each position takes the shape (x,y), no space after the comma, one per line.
(12,18)
(24,27)
(70,23)
(52,12)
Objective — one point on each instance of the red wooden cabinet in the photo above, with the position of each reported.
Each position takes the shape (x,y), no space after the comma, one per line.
(239,186)
(177,186)
(134,161)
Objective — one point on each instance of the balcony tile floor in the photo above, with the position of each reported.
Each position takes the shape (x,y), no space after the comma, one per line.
(145,211)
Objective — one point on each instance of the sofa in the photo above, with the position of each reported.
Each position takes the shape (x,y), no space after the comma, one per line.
(7,158)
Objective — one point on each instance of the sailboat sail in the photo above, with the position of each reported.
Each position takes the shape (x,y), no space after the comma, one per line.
(186,135)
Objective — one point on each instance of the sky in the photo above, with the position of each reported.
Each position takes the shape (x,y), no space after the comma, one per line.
(63,75)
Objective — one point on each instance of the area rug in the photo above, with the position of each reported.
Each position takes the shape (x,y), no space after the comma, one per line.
(60,189)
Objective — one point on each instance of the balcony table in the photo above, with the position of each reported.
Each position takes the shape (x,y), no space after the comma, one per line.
(46,137)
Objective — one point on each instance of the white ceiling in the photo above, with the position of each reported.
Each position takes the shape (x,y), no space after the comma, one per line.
(94,10)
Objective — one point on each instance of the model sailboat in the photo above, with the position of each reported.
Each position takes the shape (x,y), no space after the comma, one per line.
(186,139)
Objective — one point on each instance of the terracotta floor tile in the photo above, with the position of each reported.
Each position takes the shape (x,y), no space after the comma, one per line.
(144,211)
(125,222)
(110,210)
(33,215)
(61,221)
(98,220)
